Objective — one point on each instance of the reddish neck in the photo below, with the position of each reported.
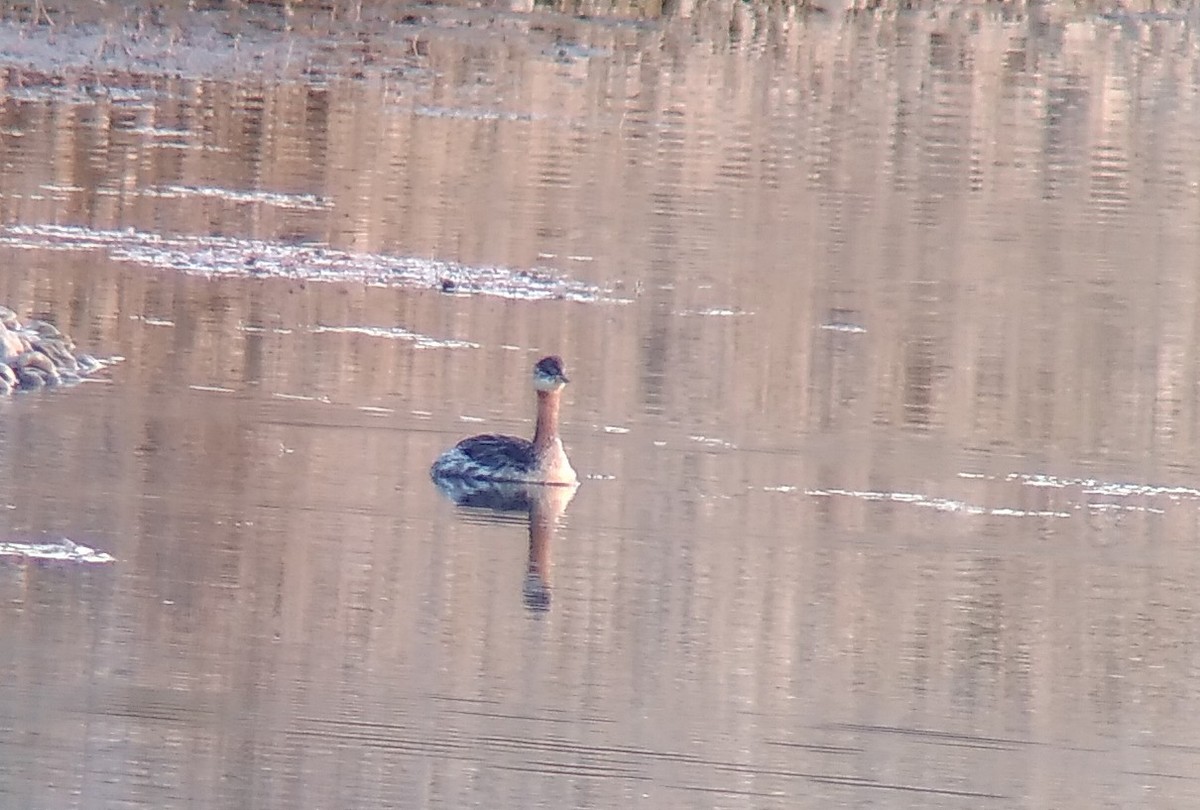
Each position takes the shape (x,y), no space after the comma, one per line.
(547,419)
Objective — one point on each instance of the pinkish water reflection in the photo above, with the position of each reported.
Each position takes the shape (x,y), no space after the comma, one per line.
(881,331)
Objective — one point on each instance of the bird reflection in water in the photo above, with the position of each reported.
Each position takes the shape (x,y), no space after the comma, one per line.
(543,504)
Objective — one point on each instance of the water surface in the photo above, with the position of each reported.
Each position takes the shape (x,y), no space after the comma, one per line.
(881,332)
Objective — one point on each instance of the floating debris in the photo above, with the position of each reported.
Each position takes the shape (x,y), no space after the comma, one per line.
(470,114)
(213,256)
(37,355)
(62,550)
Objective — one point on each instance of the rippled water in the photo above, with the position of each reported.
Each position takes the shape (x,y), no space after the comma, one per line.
(881,330)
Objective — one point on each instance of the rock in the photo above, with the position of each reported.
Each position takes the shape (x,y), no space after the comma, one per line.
(11,344)
(30,378)
(38,354)
(44,329)
(57,351)
(35,359)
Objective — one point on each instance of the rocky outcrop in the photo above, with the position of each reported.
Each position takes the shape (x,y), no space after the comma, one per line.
(36,354)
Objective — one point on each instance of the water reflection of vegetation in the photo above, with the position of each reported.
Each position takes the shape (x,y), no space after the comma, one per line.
(930,167)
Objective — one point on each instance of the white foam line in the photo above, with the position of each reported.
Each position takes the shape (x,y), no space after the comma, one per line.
(1120,507)
(1091,486)
(397,333)
(298,201)
(940,504)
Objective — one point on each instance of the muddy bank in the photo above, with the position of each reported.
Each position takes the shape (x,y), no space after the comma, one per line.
(357,39)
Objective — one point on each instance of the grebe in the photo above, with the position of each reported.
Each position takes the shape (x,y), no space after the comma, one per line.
(507,458)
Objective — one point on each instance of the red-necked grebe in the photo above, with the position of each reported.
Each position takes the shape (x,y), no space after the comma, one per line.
(508,458)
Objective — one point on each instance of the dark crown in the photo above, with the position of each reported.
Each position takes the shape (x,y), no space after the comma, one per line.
(551,368)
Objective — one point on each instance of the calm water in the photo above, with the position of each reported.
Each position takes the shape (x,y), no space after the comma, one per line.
(882,331)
